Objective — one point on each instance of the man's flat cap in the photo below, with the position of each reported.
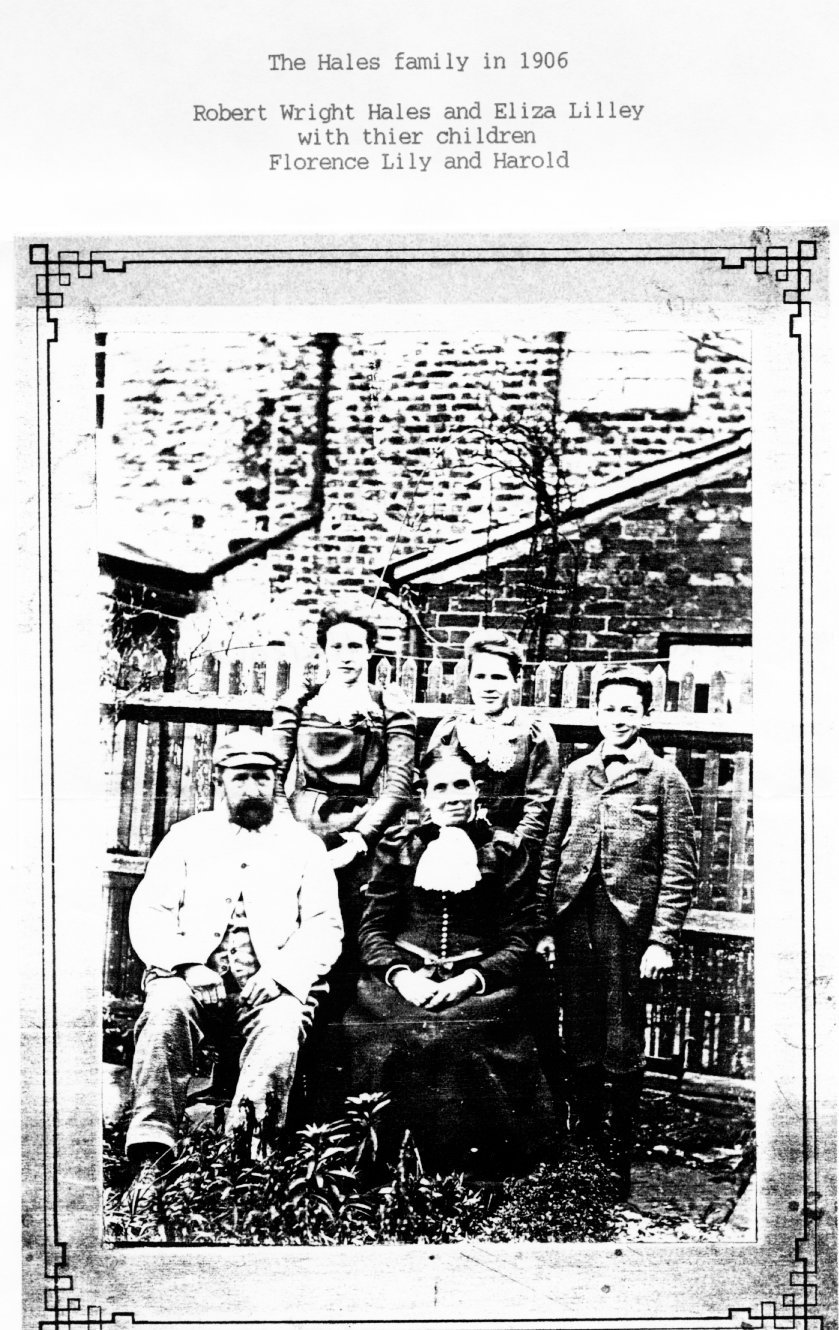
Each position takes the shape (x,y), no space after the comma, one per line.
(247,748)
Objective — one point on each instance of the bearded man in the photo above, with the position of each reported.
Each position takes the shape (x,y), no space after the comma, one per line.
(236,919)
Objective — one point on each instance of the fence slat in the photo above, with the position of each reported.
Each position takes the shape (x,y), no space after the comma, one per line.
(570,685)
(149,788)
(745,698)
(717,692)
(122,968)
(687,692)
(592,683)
(135,840)
(696,1036)
(383,672)
(202,771)
(460,684)
(236,679)
(708,828)
(686,702)
(434,681)
(186,799)
(312,672)
(408,679)
(174,765)
(126,788)
(542,685)
(282,677)
(739,823)
(659,678)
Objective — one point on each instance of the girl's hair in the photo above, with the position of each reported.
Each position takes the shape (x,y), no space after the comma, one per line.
(495,644)
(633,677)
(332,615)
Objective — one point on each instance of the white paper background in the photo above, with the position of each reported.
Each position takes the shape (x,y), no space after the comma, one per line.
(740,129)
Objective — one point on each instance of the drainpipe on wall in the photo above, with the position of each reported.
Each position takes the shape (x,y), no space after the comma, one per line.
(327,344)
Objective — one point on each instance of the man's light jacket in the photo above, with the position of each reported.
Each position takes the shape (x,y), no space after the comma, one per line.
(181,909)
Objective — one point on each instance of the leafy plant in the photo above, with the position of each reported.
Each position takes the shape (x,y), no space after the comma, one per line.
(418,1208)
(329,1185)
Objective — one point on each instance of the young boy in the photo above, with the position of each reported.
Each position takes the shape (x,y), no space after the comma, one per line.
(617,876)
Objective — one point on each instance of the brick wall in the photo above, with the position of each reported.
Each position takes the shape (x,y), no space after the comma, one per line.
(210,440)
(684,567)
(203,437)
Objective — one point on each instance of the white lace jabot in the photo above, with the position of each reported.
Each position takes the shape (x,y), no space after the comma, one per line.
(449,863)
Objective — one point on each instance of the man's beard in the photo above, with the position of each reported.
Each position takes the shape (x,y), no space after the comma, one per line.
(252,813)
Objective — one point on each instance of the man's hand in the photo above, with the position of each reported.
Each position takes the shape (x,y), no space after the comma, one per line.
(206,984)
(546,948)
(259,989)
(454,990)
(353,846)
(655,961)
(414,986)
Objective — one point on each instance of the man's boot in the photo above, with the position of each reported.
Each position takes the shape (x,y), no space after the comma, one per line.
(141,1204)
(623,1093)
(587,1105)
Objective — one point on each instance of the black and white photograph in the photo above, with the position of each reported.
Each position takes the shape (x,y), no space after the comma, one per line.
(368,549)
(412,907)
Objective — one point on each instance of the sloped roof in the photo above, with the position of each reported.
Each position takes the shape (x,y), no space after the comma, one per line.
(700,464)
(122,559)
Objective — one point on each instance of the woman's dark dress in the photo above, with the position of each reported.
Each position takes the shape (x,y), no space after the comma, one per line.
(516,769)
(464,1079)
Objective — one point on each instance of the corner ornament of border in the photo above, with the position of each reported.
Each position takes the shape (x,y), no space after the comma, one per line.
(55,274)
(66,1311)
(791,266)
(798,1307)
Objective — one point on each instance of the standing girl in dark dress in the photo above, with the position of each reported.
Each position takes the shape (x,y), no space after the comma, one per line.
(354,745)
(514,756)
(438,1022)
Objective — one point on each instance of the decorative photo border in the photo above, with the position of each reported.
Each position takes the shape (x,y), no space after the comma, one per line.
(801,1298)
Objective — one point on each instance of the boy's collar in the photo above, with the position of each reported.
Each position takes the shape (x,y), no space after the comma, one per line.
(639,755)
(633,753)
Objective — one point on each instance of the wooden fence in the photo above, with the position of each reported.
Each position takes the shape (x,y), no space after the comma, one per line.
(159,748)
(265,672)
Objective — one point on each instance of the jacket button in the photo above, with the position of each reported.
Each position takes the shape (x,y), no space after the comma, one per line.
(244,865)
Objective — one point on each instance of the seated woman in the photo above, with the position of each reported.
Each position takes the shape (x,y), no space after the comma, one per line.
(514,756)
(437,1022)
(354,745)
(516,770)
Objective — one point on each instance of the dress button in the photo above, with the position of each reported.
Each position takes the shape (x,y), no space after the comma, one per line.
(244,865)
(228,900)
(216,934)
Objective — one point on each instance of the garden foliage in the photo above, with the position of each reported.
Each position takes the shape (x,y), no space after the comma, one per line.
(330,1186)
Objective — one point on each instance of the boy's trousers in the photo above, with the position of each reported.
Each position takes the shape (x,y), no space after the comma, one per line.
(598,963)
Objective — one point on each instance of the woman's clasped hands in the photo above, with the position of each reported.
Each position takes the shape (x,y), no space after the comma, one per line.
(416,987)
